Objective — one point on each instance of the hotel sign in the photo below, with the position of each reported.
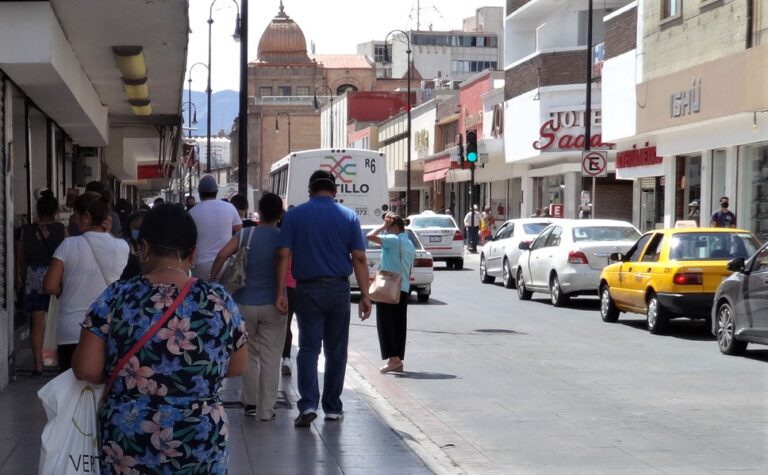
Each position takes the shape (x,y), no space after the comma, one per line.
(682,103)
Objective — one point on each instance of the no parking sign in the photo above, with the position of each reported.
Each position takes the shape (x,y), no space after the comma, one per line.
(594,163)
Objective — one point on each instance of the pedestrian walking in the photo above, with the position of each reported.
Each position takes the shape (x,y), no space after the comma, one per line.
(216,221)
(111,224)
(81,268)
(324,242)
(723,218)
(263,322)
(163,414)
(472,227)
(290,292)
(240,202)
(487,224)
(133,267)
(397,255)
(38,242)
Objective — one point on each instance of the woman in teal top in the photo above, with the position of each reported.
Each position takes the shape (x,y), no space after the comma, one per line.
(397,255)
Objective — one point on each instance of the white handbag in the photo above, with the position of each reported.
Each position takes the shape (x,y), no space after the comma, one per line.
(235,271)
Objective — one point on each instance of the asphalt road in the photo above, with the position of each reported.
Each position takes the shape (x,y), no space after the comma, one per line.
(496,385)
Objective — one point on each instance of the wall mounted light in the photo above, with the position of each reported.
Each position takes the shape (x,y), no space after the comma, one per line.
(130,61)
(141,106)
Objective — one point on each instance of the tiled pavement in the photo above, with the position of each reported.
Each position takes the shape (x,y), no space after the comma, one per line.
(361,443)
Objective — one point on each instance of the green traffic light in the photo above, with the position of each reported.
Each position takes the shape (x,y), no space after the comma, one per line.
(472,157)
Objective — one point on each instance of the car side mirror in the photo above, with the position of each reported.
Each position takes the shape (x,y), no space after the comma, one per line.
(524,246)
(736,265)
(616,257)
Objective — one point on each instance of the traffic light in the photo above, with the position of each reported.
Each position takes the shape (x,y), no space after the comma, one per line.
(471,148)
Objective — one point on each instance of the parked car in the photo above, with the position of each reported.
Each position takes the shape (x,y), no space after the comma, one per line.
(740,310)
(499,256)
(671,273)
(422,274)
(566,258)
(440,236)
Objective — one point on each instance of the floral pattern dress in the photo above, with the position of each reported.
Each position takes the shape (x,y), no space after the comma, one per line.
(164,414)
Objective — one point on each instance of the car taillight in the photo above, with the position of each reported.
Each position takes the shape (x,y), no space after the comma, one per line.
(688,278)
(457,236)
(422,263)
(577,257)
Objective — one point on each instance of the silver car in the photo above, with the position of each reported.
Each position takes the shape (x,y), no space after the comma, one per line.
(499,256)
(422,273)
(740,312)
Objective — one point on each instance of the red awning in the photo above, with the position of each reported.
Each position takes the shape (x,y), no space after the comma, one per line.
(435,175)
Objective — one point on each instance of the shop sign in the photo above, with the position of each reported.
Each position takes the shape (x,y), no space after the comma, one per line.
(557,211)
(637,157)
(497,127)
(421,142)
(553,134)
(682,103)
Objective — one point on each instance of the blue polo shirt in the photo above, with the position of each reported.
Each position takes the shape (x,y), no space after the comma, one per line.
(321,234)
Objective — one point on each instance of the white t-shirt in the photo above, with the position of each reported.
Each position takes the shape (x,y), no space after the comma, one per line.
(214,220)
(83,280)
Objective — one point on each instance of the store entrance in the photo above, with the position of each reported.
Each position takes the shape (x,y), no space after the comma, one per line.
(651,203)
(688,192)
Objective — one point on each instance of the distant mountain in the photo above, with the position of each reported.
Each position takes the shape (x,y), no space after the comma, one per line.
(225,106)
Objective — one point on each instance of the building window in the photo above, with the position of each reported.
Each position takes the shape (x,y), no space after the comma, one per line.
(380,53)
(472,66)
(265,91)
(753,190)
(283,90)
(670,8)
(302,90)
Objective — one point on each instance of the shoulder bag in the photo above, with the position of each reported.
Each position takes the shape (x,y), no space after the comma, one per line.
(98,263)
(234,275)
(386,285)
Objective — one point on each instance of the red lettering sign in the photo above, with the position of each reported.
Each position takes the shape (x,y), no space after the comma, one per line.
(637,157)
(548,139)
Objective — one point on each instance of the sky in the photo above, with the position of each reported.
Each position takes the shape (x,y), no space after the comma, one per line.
(335,27)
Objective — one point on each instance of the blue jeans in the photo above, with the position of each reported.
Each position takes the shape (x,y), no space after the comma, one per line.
(322,314)
(472,236)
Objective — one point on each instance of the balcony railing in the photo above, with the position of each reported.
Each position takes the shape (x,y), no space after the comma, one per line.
(283,100)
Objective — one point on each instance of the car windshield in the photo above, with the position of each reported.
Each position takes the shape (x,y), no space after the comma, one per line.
(605,233)
(372,245)
(711,246)
(433,222)
(534,228)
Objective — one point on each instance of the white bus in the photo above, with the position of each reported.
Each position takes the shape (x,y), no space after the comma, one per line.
(361,179)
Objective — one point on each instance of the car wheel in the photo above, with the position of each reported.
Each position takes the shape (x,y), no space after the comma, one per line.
(656,317)
(458,264)
(608,311)
(556,294)
(484,277)
(422,297)
(726,332)
(522,292)
(506,275)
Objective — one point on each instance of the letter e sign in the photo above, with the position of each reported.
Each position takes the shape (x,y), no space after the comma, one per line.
(594,163)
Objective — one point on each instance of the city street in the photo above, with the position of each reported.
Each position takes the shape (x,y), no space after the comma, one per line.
(496,385)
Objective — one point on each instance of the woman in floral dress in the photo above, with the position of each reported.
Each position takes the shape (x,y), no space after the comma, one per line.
(163,414)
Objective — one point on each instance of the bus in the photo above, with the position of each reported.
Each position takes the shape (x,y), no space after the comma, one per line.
(361,179)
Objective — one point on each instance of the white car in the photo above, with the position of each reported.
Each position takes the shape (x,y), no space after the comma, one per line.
(499,256)
(422,273)
(440,236)
(567,257)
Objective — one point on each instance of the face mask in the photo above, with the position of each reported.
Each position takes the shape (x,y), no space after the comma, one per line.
(135,234)
(724,204)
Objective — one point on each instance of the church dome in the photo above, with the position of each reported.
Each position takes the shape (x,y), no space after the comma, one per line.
(283,41)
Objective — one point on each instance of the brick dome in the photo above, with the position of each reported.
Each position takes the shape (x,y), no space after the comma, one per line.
(283,41)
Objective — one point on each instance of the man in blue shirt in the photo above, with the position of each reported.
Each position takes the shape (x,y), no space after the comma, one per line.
(723,218)
(324,244)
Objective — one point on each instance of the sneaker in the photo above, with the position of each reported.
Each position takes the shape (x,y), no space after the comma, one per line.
(286,366)
(334,416)
(305,419)
(250,411)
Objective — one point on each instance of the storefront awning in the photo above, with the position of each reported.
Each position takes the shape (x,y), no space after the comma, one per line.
(436,175)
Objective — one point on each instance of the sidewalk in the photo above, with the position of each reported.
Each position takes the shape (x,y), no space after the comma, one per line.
(361,443)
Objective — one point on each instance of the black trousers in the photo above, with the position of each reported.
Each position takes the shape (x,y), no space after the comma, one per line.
(64,354)
(291,294)
(392,325)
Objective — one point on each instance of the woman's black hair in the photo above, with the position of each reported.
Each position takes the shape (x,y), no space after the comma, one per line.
(95,204)
(240,202)
(270,207)
(169,230)
(47,205)
(140,214)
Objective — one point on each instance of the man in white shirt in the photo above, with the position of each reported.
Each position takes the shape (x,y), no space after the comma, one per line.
(216,222)
(471,226)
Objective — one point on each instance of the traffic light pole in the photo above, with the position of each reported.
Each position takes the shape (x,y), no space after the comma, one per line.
(474,237)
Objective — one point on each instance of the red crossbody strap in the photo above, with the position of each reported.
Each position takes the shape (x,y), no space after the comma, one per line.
(148,335)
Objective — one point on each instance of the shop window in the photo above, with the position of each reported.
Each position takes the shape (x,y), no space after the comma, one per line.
(753,196)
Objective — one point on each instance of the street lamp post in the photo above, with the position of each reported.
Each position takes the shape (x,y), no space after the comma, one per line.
(189,89)
(316,104)
(236,36)
(408,110)
(242,119)
(277,127)
(192,121)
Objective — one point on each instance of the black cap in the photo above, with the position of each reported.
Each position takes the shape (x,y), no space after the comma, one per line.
(322,175)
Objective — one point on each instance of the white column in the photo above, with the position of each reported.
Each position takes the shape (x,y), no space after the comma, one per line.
(570,194)
(637,195)
(670,187)
(526,207)
(731,176)
(705,203)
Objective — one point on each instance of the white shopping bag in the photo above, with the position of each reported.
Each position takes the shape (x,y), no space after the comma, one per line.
(70,438)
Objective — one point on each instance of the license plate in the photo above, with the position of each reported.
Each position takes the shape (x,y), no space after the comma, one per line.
(435,239)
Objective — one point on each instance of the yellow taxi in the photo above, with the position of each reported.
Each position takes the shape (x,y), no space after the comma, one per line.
(671,273)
